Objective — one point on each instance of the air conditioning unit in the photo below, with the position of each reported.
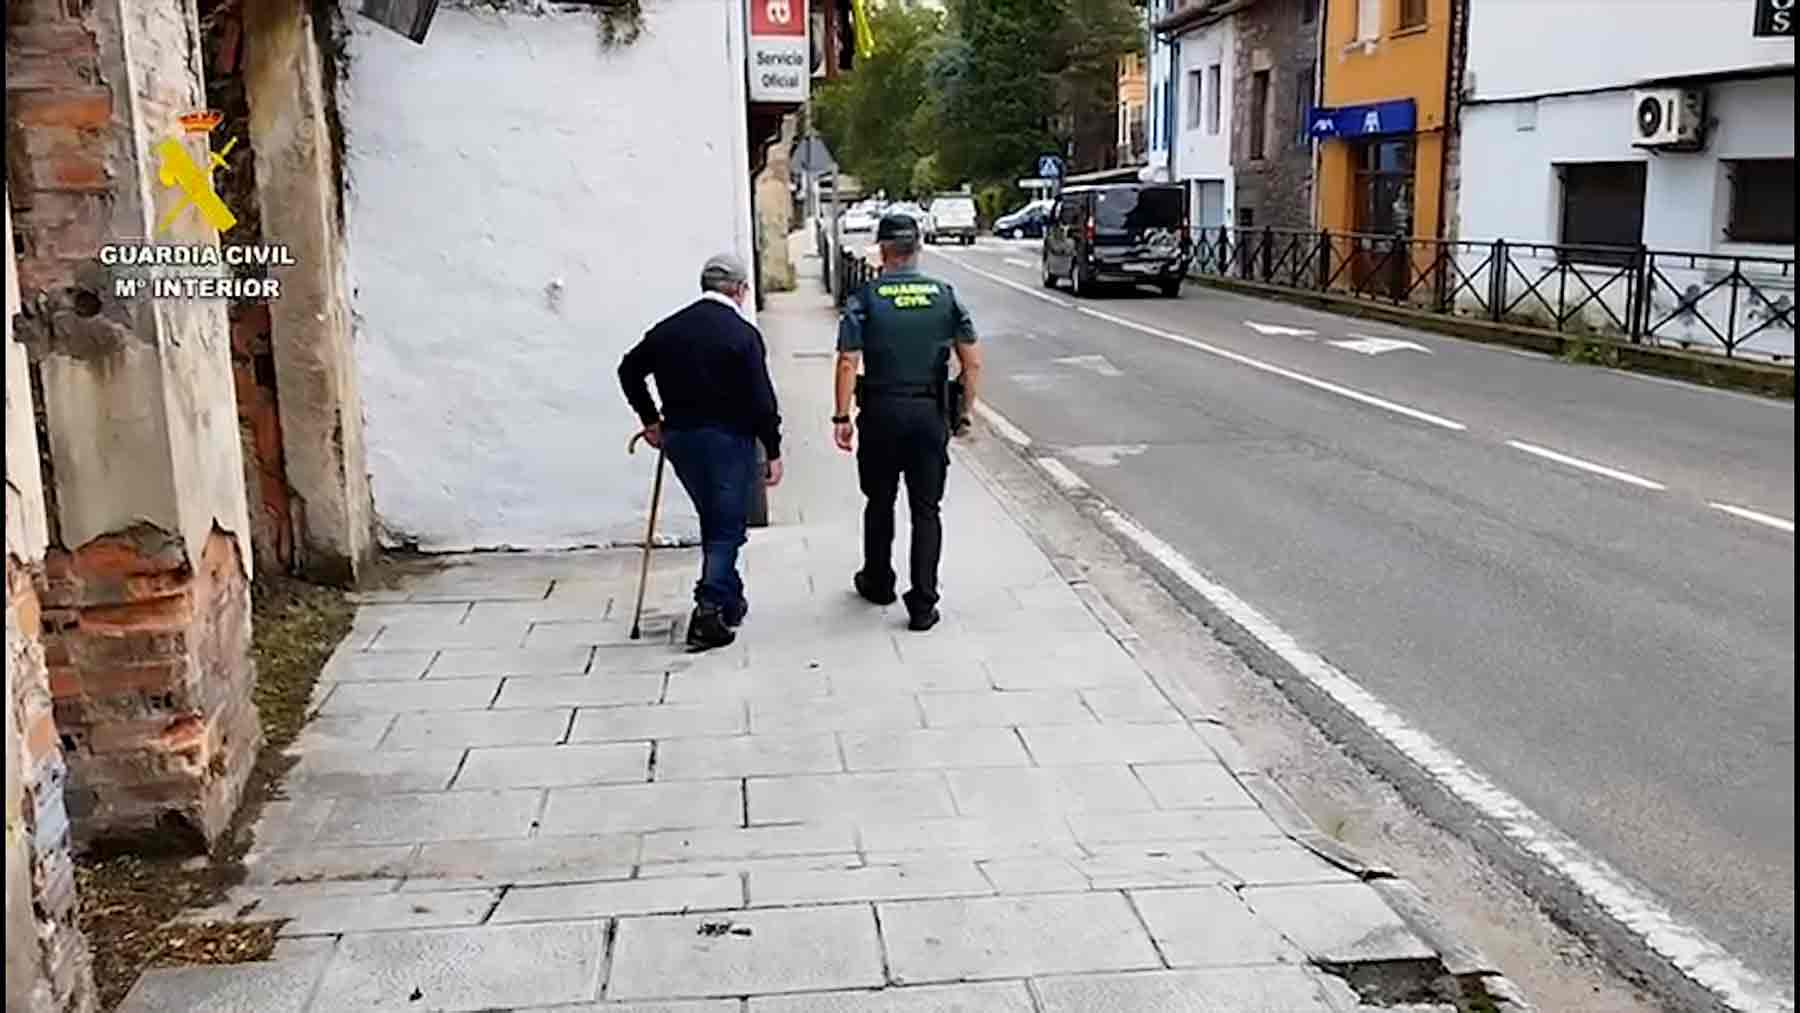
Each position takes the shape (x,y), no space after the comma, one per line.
(1668,118)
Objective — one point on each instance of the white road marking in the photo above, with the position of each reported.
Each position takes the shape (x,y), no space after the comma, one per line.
(1756,516)
(1696,956)
(1008,282)
(1278,329)
(1060,473)
(1268,367)
(1002,425)
(1589,466)
(1376,346)
(1767,402)
(1019,262)
(1096,363)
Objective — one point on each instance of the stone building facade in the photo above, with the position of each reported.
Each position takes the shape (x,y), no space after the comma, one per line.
(1277,55)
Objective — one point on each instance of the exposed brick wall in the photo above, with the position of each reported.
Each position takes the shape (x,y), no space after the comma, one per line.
(272,521)
(1272,35)
(48,968)
(152,684)
(60,139)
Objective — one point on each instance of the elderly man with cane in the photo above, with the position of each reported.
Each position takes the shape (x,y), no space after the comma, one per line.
(712,375)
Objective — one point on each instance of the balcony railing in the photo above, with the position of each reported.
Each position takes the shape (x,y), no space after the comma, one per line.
(1734,305)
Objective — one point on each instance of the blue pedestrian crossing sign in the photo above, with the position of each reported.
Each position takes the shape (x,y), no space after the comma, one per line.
(1050,167)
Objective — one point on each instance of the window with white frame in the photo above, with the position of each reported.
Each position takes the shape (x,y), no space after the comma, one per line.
(1368,20)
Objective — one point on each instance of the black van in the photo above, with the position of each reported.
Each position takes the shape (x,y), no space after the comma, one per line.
(1135,233)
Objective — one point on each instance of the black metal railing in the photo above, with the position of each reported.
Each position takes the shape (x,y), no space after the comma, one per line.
(847,268)
(1738,305)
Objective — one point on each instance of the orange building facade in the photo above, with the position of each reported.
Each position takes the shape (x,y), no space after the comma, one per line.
(1382,117)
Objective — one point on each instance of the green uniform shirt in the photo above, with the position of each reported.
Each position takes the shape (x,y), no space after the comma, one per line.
(904,323)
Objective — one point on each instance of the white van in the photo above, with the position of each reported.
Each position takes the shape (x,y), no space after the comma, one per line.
(952,215)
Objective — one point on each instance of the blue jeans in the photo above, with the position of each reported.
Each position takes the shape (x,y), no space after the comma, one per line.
(716,467)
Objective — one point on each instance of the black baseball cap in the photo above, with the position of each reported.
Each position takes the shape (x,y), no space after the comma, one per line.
(897,229)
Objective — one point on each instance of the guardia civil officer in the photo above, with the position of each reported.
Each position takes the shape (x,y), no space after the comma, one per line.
(901,331)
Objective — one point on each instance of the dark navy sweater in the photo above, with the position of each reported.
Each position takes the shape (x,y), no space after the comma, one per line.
(711,369)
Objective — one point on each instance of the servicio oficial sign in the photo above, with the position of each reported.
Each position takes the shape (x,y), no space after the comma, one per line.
(780,61)
(1774,19)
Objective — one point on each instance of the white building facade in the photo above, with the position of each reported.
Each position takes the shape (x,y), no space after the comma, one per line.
(1159,103)
(524,201)
(1557,148)
(1206,62)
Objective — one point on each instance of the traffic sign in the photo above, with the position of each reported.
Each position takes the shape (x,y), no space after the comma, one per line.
(1050,167)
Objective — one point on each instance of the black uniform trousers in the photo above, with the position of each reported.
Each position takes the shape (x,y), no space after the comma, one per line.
(903,438)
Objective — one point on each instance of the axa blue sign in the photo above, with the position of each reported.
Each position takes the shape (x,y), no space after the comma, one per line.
(1397,117)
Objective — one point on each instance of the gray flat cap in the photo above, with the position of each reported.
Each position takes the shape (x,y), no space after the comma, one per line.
(723,269)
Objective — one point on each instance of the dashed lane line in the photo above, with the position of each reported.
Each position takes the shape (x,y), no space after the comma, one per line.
(1754,516)
(1615,474)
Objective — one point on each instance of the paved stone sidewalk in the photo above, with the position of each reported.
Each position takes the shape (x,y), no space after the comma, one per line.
(504,803)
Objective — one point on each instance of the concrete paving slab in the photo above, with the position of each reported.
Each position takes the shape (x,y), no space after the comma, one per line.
(605,633)
(293,823)
(968,676)
(744,684)
(529,860)
(679,1006)
(477,729)
(349,665)
(327,865)
(669,894)
(1210,927)
(1337,922)
(765,951)
(273,986)
(366,772)
(1004,710)
(341,731)
(747,756)
(329,914)
(753,842)
(1005,937)
(854,797)
(1237,825)
(974,836)
(561,766)
(1057,745)
(1094,668)
(465,969)
(660,721)
(457,815)
(443,613)
(986,997)
(1034,875)
(463,664)
(630,807)
(1234,990)
(934,749)
(1275,863)
(1120,867)
(1136,705)
(1203,785)
(1047,790)
(826,883)
(449,694)
(581,690)
(405,636)
(858,712)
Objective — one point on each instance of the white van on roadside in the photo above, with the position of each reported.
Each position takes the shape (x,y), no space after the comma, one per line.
(951,216)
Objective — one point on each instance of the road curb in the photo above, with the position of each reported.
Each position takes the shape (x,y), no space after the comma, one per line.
(1695,367)
(1554,889)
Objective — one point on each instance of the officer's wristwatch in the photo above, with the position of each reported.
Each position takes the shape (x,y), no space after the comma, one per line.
(840,420)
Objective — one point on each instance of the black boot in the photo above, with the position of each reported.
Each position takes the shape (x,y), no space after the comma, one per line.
(734,616)
(919,615)
(873,593)
(707,629)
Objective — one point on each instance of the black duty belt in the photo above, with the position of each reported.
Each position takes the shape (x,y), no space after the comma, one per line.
(895,390)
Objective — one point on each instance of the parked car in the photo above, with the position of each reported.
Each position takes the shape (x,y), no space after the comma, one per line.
(860,218)
(1134,233)
(952,216)
(1028,221)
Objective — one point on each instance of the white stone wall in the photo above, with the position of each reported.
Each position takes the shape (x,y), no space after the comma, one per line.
(1202,155)
(1510,188)
(522,204)
(1543,47)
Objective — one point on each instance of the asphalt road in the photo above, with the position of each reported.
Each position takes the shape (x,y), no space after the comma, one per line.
(1575,578)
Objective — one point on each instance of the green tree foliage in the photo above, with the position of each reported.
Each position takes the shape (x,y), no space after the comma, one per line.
(879,119)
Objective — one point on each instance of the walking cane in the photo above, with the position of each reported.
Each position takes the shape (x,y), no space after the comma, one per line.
(637,613)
